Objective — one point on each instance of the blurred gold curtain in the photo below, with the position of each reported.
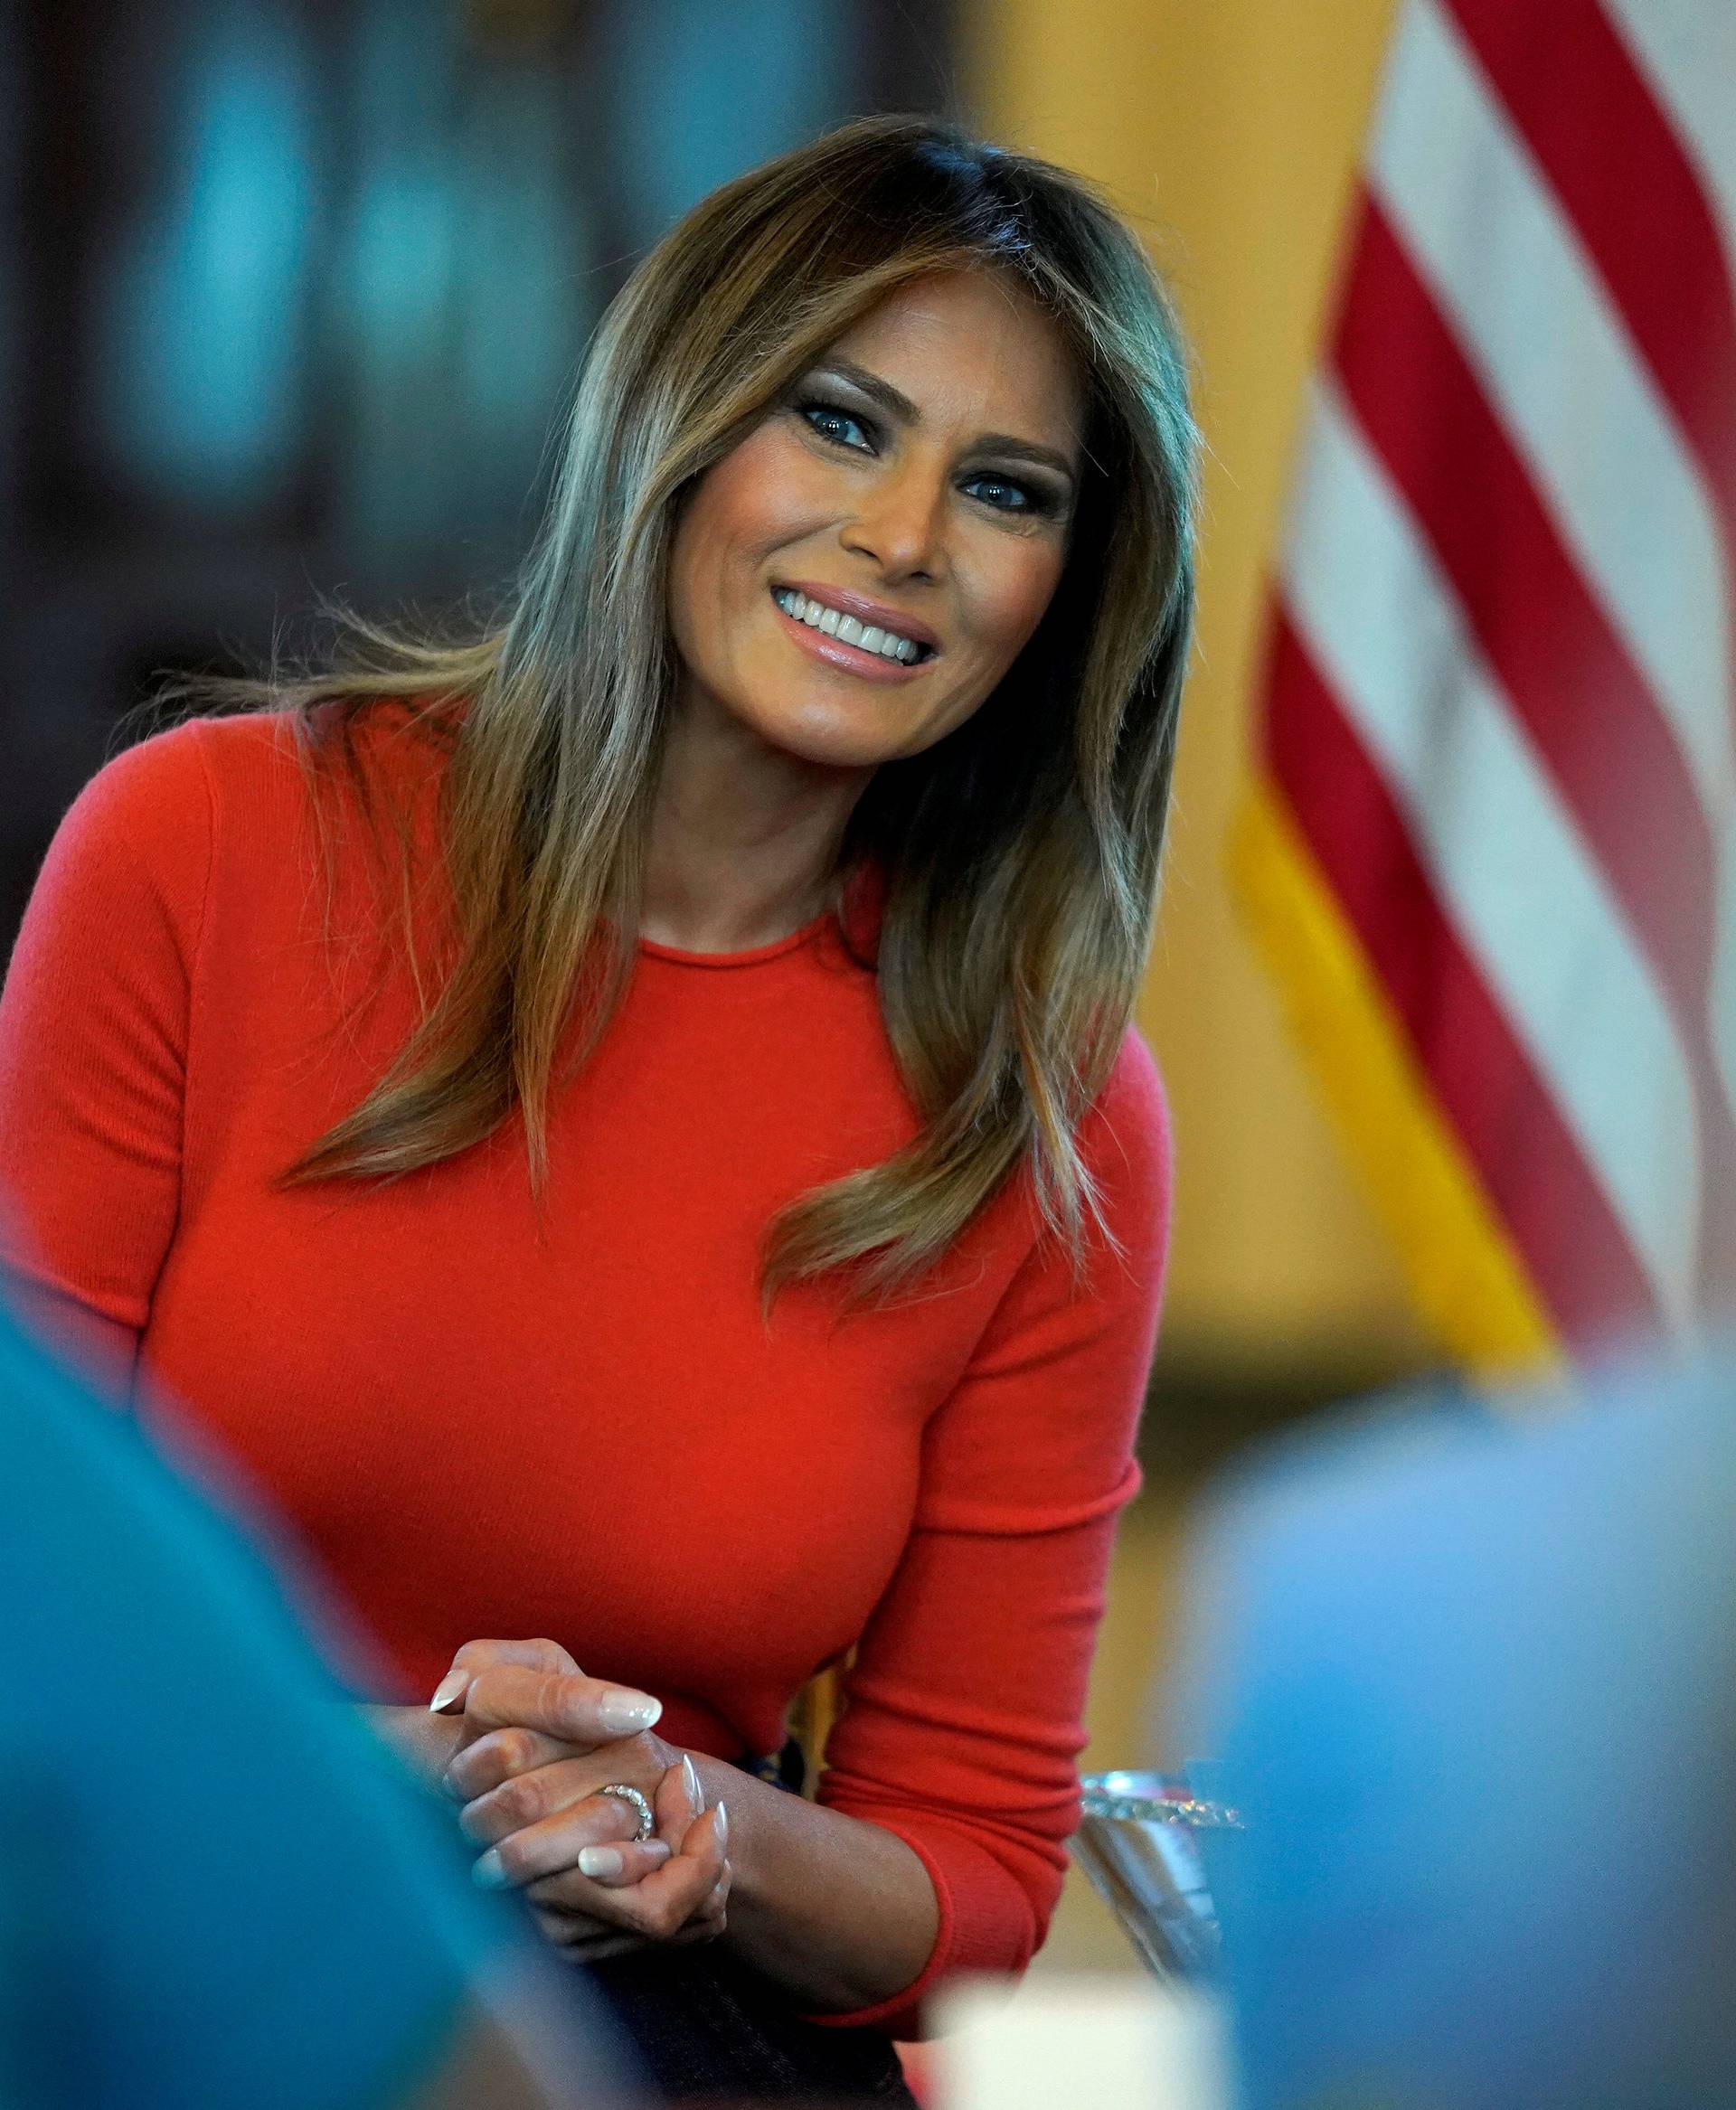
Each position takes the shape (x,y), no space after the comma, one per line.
(1230,131)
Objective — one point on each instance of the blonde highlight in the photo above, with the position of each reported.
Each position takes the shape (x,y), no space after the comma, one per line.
(1021,872)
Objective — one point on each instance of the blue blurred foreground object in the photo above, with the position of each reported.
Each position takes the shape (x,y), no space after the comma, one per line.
(216,1888)
(1472,1683)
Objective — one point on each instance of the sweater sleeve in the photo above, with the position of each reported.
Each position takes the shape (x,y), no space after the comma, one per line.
(95,1019)
(962,1719)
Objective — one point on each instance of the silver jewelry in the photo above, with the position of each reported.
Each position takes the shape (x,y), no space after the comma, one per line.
(636,1801)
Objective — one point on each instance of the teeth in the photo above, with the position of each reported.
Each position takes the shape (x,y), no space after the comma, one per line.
(832,623)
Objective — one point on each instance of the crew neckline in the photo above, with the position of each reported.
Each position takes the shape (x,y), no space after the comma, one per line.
(681,958)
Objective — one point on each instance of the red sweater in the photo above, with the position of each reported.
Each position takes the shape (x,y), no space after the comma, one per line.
(592,1437)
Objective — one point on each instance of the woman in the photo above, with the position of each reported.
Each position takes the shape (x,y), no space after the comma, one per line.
(629,1126)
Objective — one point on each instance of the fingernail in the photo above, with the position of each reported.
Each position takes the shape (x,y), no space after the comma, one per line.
(486,1872)
(449,1690)
(722,1827)
(599,1861)
(624,1713)
(690,1782)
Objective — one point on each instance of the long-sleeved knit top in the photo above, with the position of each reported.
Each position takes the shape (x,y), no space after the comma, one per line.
(482,1429)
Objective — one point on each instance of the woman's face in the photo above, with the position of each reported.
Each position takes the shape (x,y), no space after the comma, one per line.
(927,464)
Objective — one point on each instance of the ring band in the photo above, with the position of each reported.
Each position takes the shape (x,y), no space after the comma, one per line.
(631,1796)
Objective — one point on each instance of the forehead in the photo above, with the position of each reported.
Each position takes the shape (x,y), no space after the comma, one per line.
(969,345)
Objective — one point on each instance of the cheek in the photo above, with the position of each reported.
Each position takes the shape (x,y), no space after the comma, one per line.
(699,571)
(1013,600)
(754,496)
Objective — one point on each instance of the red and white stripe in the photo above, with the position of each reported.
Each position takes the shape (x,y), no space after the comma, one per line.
(1501,699)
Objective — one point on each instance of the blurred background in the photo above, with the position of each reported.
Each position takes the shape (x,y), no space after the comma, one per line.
(291,296)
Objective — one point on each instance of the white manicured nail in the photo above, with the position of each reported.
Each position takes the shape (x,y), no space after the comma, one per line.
(599,1861)
(453,1686)
(624,1713)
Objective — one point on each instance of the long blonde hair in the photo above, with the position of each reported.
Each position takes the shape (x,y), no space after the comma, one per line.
(1020,853)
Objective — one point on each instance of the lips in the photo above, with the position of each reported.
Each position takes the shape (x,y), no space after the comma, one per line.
(862,610)
(868,666)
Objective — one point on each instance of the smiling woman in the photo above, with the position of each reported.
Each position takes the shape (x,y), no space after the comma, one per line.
(821,500)
(748,925)
(937,515)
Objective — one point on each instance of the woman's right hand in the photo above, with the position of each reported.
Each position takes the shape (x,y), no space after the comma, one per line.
(513,1744)
(427,1738)
(425,1742)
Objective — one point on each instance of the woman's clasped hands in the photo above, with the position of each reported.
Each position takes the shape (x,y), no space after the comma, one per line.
(538,1740)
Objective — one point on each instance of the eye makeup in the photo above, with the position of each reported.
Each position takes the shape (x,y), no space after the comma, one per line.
(1041,500)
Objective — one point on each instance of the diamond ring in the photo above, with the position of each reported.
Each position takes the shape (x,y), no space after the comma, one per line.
(636,1802)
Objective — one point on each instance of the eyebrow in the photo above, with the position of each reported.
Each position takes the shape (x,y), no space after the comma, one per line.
(898,405)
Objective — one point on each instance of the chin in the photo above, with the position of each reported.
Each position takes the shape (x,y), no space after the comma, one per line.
(839,740)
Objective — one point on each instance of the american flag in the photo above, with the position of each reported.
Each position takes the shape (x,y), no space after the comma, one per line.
(1488,848)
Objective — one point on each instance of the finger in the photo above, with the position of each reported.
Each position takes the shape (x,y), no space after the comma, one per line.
(583,1896)
(572,1930)
(678,1799)
(615,1868)
(478,1655)
(657,1906)
(519,1858)
(713,1908)
(572,1924)
(504,1755)
(528,1798)
(689,1883)
(609,1868)
(705,1926)
(585,1712)
(579,1933)
(707,1922)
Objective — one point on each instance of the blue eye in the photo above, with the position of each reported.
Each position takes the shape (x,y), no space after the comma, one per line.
(1034,501)
(815,411)
(836,426)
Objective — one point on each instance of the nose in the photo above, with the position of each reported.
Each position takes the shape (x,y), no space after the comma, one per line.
(900,521)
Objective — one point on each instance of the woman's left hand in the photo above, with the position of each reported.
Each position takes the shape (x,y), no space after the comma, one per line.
(528,1776)
(573,1884)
